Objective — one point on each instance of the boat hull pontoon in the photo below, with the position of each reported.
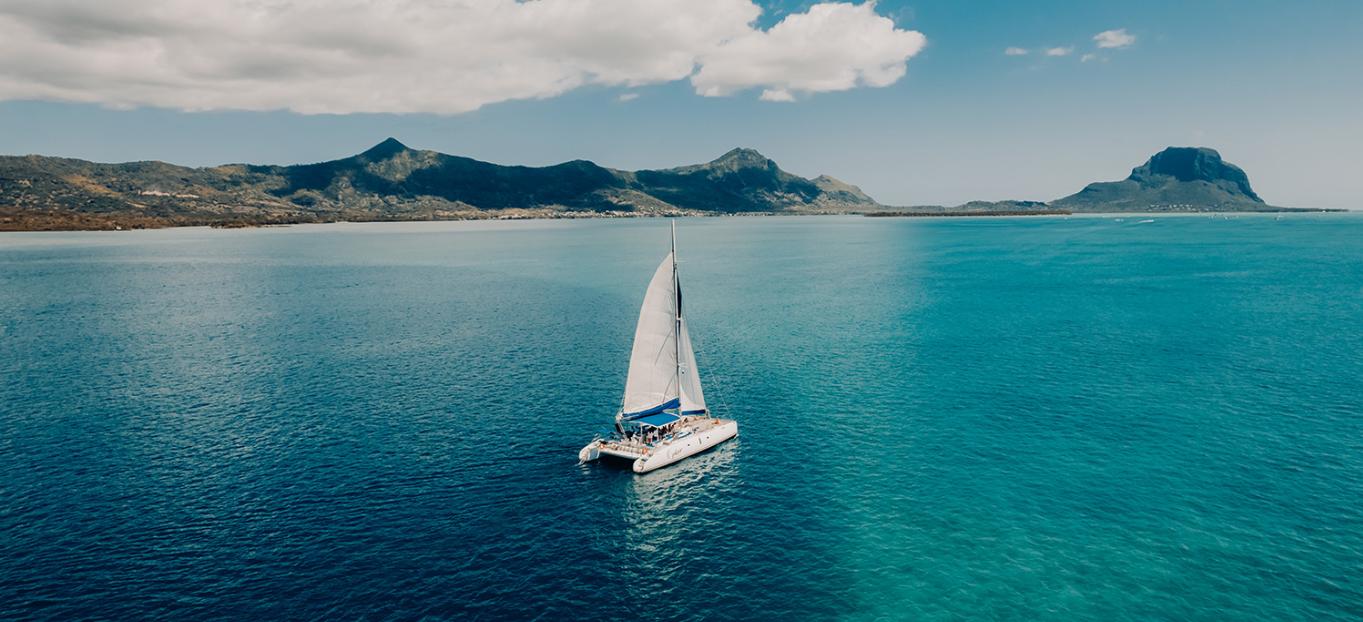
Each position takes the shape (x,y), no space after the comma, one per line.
(690,437)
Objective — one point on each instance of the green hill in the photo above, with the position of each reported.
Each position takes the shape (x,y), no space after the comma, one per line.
(393,182)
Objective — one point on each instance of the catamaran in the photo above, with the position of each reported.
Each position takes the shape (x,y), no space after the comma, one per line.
(662,418)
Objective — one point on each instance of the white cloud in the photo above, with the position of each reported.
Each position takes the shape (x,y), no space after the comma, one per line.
(1059,51)
(1118,38)
(776,95)
(1015,51)
(628,97)
(401,56)
(1088,57)
(831,47)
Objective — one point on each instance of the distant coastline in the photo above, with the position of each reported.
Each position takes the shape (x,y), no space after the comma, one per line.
(19,221)
(911,214)
(118,224)
(393,183)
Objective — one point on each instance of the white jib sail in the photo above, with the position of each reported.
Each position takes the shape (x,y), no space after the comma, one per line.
(692,398)
(651,384)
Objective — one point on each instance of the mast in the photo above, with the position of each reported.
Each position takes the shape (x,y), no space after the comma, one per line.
(676,297)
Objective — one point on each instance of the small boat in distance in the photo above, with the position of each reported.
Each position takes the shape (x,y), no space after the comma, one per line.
(662,418)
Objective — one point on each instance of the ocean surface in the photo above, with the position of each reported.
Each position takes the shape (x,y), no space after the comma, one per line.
(1086,418)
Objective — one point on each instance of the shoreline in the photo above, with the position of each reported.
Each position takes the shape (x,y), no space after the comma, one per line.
(989,213)
(74,222)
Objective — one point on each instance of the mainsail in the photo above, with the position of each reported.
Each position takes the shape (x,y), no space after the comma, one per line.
(662,372)
(652,383)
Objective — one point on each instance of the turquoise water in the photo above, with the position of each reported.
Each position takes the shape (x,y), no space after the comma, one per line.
(1038,418)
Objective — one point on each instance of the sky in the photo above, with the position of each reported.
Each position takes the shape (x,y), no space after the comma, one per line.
(927,102)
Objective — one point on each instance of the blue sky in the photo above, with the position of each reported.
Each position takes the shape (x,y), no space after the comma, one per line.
(1276,87)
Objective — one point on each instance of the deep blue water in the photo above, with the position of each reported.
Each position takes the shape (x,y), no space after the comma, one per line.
(1037,418)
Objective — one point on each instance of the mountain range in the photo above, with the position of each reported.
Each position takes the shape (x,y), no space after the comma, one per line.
(391,181)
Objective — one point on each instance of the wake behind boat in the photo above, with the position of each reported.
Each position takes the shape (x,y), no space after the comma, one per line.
(663,417)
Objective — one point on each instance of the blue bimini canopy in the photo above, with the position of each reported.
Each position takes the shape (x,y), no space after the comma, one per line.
(657,421)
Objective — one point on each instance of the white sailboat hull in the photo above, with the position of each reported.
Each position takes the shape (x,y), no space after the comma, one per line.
(690,440)
(689,445)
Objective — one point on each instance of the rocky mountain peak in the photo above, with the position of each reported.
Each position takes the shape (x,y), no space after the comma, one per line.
(1193,164)
(386,149)
(742,157)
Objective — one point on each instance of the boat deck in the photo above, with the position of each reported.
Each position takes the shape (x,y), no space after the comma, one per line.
(635,449)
